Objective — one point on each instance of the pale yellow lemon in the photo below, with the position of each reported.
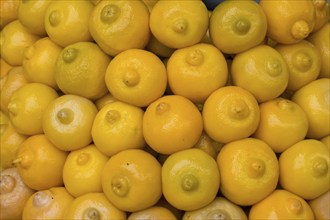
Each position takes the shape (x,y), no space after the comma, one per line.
(305,162)
(14,38)
(172,123)
(230,113)
(13,194)
(154,212)
(236,26)
(137,77)
(175,24)
(67,122)
(281,204)
(289,21)
(50,203)
(196,71)
(249,171)
(104,100)
(322,13)
(8,11)
(66,22)
(303,60)
(93,206)
(131,180)
(31,14)
(219,208)
(117,127)
(320,206)
(313,98)
(262,71)
(27,105)
(80,70)
(40,163)
(282,124)
(39,62)
(117,26)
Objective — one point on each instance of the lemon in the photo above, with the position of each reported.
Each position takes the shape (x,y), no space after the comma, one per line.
(80,70)
(50,203)
(219,208)
(313,98)
(93,206)
(104,100)
(10,141)
(68,17)
(326,140)
(8,12)
(208,145)
(282,124)
(137,77)
(158,48)
(129,176)
(117,127)
(14,194)
(84,166)
(67,122)
(196,71)
(190,179)
(5,67)
(31,14)
(14,80)
(172,123)
(281,204)
(236,26)
(162,202)
(322,13)
(303,60)
(27,105)
(321,41)
(175,24)
(249,165)
(262,71)
(14,37)
(40,163)
(289,21)
(150,3)
(154,212)
(312,157)
(320,206)
(117,26)
(230,113)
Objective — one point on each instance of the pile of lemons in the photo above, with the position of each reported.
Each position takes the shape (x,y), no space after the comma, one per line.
(165,109)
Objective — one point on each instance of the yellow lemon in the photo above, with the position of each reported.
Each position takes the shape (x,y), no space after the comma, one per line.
(8,11)
(10,141)
(40,163)
(305,162)
(93,206)
(117,26)
(104,100)
(320,206)
(289,21)
(14,80)
(150,3)
(14,37)
(219,208)
(175,24)
(80,70)
(326,140)
(50,203)
(236,26)
(322,13)
(172,123)
(303,60)
(281,204)
(230,113)
(249,165)
(196,71)
(84,166)
(262,71)
(5,67)
(39,62)
(154,212)
(190,179)
(31,14)
(14,194)
(27,105)
(67,122)
(137,77)
(129,176)
(313,98)
(321,41)
(208,145)
(282,124)
(117,127)
(162,202)
(63,18)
